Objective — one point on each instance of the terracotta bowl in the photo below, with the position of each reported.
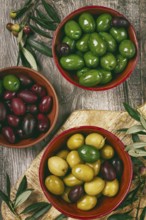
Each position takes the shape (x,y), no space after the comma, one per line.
(106,205)
(52,116)
(95,10)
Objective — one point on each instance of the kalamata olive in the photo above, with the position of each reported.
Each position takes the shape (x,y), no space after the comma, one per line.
(27,30)
(32,109)
(29,125)
(119,22)
(75,193)
(13,120)
(118,165)
(45,104)
(25,80)
(107,171)
(3,111)
(63,49)
(8,95)
(8,133)
(20,133)
(43,125)
(41,116)
(39,90)
(18,106)
(27,96)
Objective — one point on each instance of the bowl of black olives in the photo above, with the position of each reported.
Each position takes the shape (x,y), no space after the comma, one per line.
(95,48)
(28,107)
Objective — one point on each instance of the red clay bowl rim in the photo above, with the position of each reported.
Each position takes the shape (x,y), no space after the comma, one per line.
(42,162)
(105,87)
(33,141)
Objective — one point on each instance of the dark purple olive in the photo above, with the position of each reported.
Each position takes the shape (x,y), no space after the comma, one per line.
(8,133)
(75,193)
(45,104)
(107,171)
(39,90)
(25,80)
(29,124)
(118,165)
(13,120)
(43,125)
(63,49)
(41,116)
(3,112)
(120,22)
(8,105)
(20,133)
(9,95)
(18,106)
(27,96)
(32,109)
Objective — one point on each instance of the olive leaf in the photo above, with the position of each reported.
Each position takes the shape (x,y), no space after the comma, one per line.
(8,186)
(46,25)
(120,216)
(22,187)
(43,16)
(132,112)
(39,31)
(135,145)
(22,197)
(6,199)
(143,214)
(51,11)
(137,153)
(143,122)
(39,213)
(61,217)
(30,58)
(135,138)
(135,129)
(123,130)
(34,207)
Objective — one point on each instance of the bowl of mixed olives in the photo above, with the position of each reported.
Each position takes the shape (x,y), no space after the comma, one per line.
(28,107)
(85,173)
(95,48)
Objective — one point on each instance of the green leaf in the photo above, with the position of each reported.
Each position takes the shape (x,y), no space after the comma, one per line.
(61,217)
(137,162)
(123,130)
(135,138)
(8,186)
(34,207)
(6,199)
(23,60)
(30,58)
(43,16)
(137,153)
(38,214)
(40,47)
(143,122)
(135,129)
(22,187)
(132,112)
(136,145)
(143,214)
(22,197)
(40,31)
(49,26)
(51,11)
(120,216)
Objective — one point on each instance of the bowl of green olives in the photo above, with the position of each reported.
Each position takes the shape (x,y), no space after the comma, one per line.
(95,48)
(28,107)
(85,173)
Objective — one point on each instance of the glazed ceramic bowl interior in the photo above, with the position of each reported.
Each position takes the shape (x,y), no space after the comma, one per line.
(52,116)
(105,205)
(94,10)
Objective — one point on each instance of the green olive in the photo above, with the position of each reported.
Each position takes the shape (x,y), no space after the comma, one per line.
(91,60)
(70,180)
(107,152)
(82,71)
(104,22)
(70,42)
(57,166)
(54,184)
(87,203)
(95,139)
(87,22)
(75,141)
(111,43)
(83,172)
(72,62)
(95,166)
(121,63)
(72,30)
(108,62)
(91,78)
(63,154)
(106,76)
(73,158)
(119,34)
(97,45)
(82,43)
(127,49)
(94,187)
(111,188)
(65,195)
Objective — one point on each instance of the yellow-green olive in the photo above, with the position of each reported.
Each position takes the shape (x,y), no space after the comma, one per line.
(83,172)
(70,180)
(75,141)
(54,184)
(111,188)
(57,166)
(63,154)
(95,139)
(95,166)
(65,195)
(73,158)
(87,203)
(107,152)
(94,187)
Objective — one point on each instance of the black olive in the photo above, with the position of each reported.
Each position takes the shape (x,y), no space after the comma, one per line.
(119,22)
(63,49)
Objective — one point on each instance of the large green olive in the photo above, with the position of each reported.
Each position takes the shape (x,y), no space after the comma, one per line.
(83,172)
(121,63)
(88,153)
(57,166)
(91,78)
(70,180)
(87,203)
(73,158)
(111,43)
(119,34)
(95,166)
(82,71)
(95,139)
(82,43)
(108,61)
(72,30)
(94,187)
(75,141)
(97,45)
(54,184)
(87,22)
(69,42)
(127,49)
(91,60)
(63,154)
(104,22)
(72,62)
(106,76)
(111,188)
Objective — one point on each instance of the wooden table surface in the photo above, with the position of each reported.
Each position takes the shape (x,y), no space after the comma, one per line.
(133,91)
